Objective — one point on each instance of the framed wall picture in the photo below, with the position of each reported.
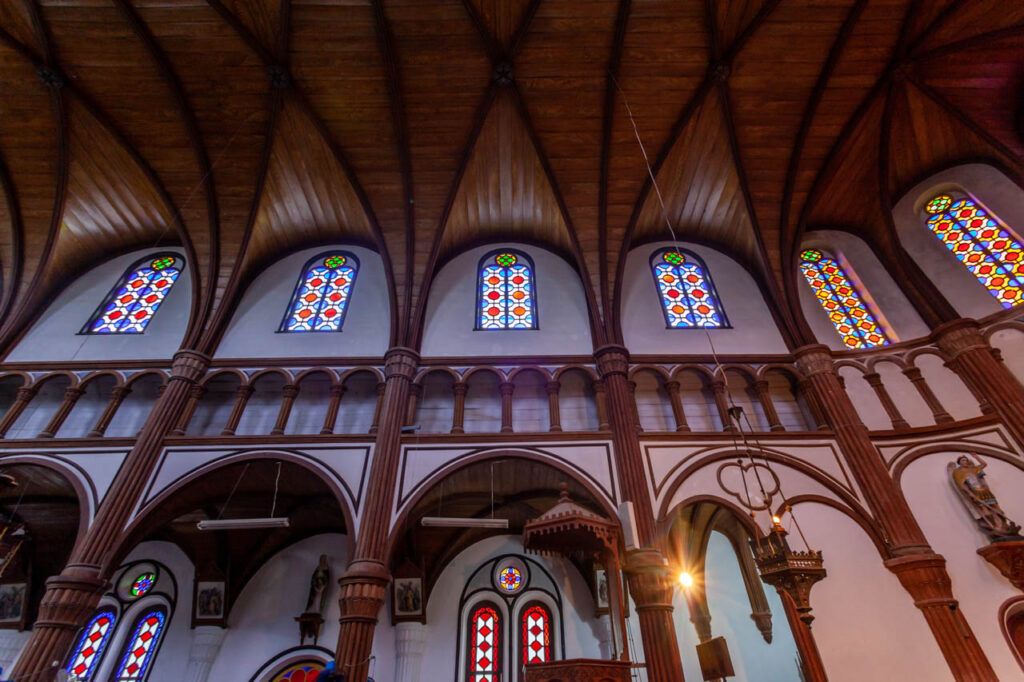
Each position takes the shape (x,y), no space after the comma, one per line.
(210,602)
(601,590)
(12,604)
(407,600)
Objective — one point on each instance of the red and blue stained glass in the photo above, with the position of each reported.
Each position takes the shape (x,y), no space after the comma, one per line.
(300,672)
(132,304)
(842,302)
(506,293)
(536,639)
(484,646)
(90,647)
(510,579)
(322,296)
(687,296)
(139,653)
(988,250)
(143,584)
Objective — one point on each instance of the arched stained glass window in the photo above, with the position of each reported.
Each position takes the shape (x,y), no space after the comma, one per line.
(89,650)
(133,301)
(988,250)
(506,292)
(687,294)
(535,640)
(322,294)
(306,671)
(484,644)
(141,648)
(841,300)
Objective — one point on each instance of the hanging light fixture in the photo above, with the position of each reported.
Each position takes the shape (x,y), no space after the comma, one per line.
(248,523)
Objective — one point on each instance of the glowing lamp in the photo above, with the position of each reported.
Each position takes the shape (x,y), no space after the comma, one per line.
(685,579)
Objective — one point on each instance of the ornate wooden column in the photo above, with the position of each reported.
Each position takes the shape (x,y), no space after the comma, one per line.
(722,404)
(459,413)
(331,418)
(72,596)
(507,389)
(291,392)
(875,382)
(601,400)
(117,397)
(71,396)
(376,410)
(364,584)
(554,414)
(803,389)
(920,571)
(672,388)
(989,380)
(925,391)
(242,396)
(650,580)
(24,397)
(764,396)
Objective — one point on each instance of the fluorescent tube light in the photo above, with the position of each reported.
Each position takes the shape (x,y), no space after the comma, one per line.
(240,524)
(462,522)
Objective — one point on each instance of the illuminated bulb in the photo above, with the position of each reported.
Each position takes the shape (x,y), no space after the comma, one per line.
(776,520)
(685,579)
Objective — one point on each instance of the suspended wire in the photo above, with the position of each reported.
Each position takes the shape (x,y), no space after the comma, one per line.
(277,480)
(232,493)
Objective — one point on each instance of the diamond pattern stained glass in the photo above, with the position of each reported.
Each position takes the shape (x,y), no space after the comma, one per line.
(300,672)
(536,640)
(139,652)
(687,296)
(321,298)
(506,293)
(993,255)
(842,302)
(90,647)
(130,306)
(484,645)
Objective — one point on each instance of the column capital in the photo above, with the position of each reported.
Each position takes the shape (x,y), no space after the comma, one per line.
(612,359)
(813,359)
(363,591)
(650,580)
(460,387)
(924,576)
(120,392)
(245,390)
(671,386)
(26,394)
(70,598)
(400,361)
(552,387)
(189,365)
(73,392)
(290,391)
(957,336)
(507,388)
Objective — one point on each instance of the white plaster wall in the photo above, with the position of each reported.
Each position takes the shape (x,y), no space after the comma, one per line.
(869,408)
(1010,343)
(135,409)
(436,406)
(530,410)
(886,301)
(866,625)
(652,403)
(950,389)
(40,410)
(582,628)
(253,330)
(310,406)
(55,336)
(993,190)
(643,322)
(952,533)
(908,401)
(561,307)
(577,405)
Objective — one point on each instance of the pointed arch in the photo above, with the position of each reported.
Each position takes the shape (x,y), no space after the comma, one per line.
(687,294)
(843,303)
(988,249)
(88,652)
(140,650)
(506,291)
(132,302)
(322,293)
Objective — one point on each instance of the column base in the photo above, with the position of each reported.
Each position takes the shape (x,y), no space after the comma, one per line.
(1008,558)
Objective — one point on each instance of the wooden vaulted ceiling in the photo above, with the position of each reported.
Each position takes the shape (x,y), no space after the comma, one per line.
(242,130)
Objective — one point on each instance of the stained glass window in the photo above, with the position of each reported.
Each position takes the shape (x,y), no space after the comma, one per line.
(507,296)
(989,251)
(510,579)
(133,301)
(688,297)
(321,297)
(536,634)
(841,300)
(143,584)
(307,671)
(89,650)
(141,648)
(484,644)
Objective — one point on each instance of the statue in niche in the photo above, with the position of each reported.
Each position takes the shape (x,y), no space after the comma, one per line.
(318,587)
(968,480)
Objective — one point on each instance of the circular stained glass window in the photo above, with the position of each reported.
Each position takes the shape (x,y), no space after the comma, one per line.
(939,204)
(674,257)
(506,260)
(335,261)
(162,263)
(511,576)
(143,584)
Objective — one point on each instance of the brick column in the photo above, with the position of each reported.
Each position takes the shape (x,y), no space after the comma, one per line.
(875,382)
(364,584)
(913,561)
(554,415)
(459,413)
(24,397)
(331,418)
(989,380)
(650,581)
(71,396)
(291,392)
(507,389)
(72,596)
(117,397)
(242,396)
(674,399)
(925,391)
